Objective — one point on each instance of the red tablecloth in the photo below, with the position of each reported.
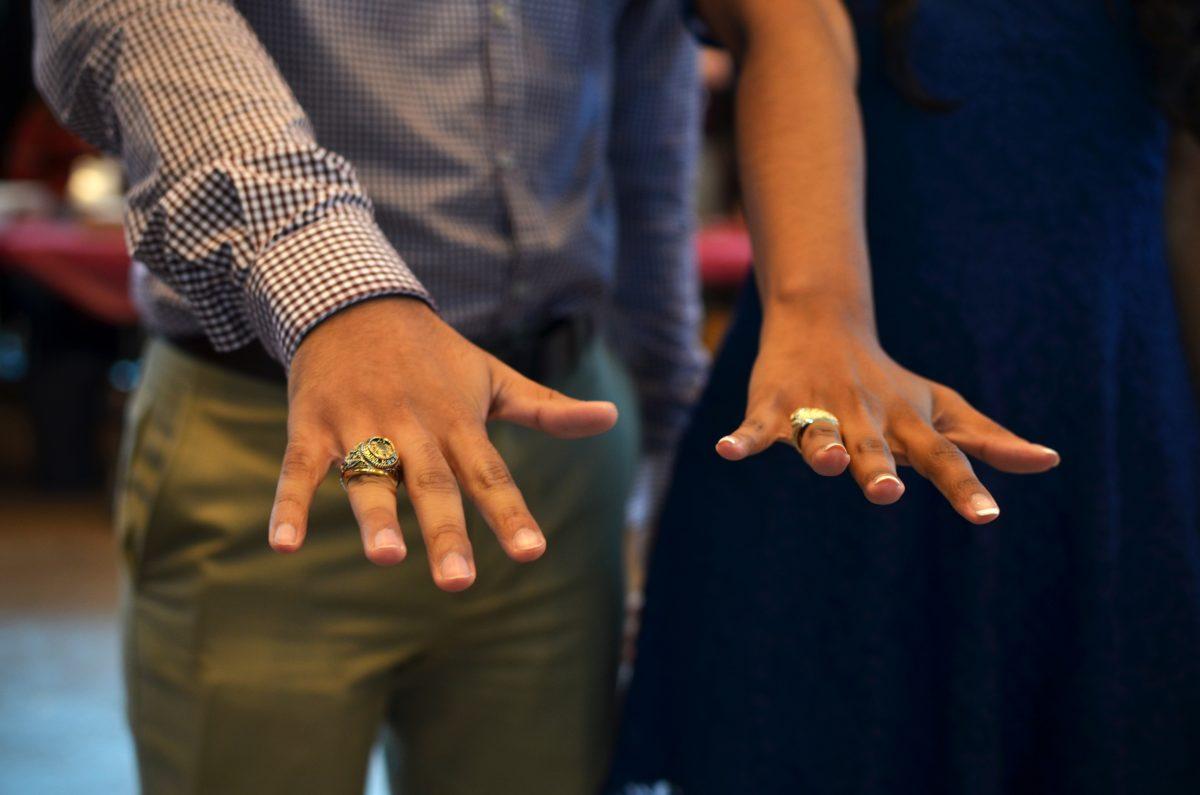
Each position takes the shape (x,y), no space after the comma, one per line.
(87,266)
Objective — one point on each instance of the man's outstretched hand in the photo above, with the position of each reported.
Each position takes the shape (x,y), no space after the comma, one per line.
(390,367)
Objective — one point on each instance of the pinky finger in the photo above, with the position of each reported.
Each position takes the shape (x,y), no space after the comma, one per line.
(302,472)
(756,433)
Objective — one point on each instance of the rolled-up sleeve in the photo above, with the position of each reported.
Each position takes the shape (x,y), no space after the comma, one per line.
(230,201)
(653,150)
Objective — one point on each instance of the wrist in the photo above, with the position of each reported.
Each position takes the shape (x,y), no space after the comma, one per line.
(818,310)
(381,312)
(317,272)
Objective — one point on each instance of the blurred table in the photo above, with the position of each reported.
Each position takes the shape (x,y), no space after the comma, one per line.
(89,266)
(724,253)
(85,265)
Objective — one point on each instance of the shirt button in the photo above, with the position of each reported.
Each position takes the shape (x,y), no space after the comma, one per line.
(500,13)
(506,160)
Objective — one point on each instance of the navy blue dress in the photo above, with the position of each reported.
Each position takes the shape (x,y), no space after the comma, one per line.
(800,640)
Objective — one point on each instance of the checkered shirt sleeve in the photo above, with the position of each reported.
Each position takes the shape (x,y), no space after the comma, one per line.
(231,202)
(655,127)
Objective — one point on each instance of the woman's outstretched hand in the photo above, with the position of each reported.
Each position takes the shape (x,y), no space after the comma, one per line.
(888,417)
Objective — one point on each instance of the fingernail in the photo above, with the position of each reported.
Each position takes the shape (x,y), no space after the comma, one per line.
(733,440)
(983,505)
(887,476)
(454,567)
(832,445)
(1051,451)
(387,538)
(525,539)
(285,534)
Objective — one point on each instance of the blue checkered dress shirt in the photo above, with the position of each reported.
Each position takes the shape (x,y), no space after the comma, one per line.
(524,160)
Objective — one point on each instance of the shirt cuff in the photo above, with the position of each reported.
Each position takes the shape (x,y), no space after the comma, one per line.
(698,27)
(308,275)
(666,404)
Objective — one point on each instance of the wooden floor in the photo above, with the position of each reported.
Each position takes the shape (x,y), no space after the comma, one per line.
(62,729)
(61,723)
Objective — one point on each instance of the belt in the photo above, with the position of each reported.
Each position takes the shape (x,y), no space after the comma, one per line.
(545,355)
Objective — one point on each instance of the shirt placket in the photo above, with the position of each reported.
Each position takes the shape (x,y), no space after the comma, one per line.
(504,66)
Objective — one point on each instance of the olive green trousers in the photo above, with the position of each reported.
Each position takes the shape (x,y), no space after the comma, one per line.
(254,672)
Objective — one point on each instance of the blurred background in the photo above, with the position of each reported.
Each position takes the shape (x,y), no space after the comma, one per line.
(69,347)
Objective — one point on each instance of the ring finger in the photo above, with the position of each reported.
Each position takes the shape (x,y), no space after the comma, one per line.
(373,500)
(822,447)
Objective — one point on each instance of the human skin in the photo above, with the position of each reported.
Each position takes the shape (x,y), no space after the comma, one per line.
(801,161)
(391,367)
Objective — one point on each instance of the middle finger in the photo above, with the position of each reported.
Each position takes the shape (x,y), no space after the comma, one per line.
(871,462)
(822,447)
(438,504)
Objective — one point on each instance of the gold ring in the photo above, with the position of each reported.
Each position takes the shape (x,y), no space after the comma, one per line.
(803,417)
(375,456)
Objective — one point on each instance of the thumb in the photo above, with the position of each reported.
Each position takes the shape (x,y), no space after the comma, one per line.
(519,400)
(982,437)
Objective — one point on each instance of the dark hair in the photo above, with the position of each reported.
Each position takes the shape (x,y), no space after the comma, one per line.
(1171,27)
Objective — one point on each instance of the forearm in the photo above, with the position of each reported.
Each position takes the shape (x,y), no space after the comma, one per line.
(231,201)
(1183,228)
(800,152)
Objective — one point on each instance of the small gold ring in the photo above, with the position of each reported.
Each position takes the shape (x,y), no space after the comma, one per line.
(802,417)
(375,456)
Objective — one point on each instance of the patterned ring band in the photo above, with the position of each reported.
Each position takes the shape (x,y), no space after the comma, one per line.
(375,456)
(803,417)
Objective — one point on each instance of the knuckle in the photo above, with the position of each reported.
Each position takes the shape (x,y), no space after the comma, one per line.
(966,486)
(903,415)
(435,480)
(298,462)
(492,474)
(944,453)
(462,422)
(510,516)
(429,453)
(377,516)
(289,503)
(869,445)
(775,402)
(446,532)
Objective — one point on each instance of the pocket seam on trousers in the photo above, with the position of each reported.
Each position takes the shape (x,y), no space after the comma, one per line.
(164,420)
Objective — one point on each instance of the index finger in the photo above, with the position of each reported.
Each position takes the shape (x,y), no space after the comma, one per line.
(941,462)
(487,480)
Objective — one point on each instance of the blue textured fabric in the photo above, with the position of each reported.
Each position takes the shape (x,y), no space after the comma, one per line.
(800,640)
(529,161)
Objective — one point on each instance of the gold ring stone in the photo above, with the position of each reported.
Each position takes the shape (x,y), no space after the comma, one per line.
(803,417)
(375,456)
